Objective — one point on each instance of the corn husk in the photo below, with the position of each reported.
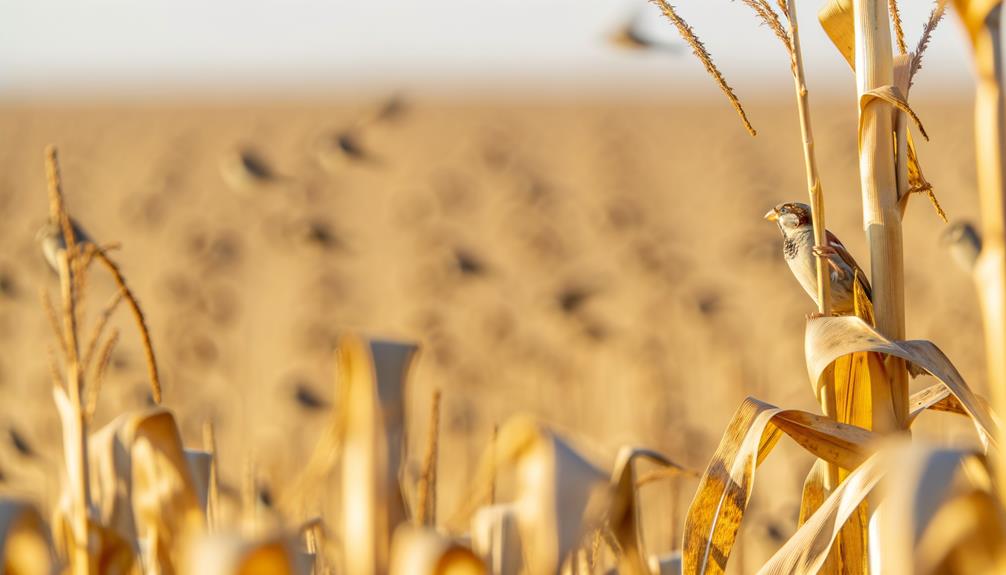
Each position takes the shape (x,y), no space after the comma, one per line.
(25,546)
(424,551)
(723,494)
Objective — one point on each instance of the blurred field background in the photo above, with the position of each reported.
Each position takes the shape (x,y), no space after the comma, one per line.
(602,266)
(592,254)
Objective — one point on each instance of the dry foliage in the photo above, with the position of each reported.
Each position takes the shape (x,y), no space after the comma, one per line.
(136,500)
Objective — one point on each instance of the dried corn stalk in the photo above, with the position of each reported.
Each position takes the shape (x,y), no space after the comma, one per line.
(371,430)
(982,20)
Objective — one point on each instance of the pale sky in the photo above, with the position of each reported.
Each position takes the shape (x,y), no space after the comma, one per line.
(154,48)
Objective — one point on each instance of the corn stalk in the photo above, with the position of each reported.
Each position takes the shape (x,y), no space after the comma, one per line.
(881,215)
(814,189)
(981,18)
(81,560)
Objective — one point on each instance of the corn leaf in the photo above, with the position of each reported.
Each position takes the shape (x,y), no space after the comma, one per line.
(918,531)
(723,494)
(624,517)
(830,338)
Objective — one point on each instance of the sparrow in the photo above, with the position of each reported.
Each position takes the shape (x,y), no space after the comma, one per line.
(794,221)
(50,236)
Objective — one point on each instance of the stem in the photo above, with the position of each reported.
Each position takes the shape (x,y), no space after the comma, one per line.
(81,483)
(990,133)
(82,561)
(427,502)
(881,219)
(827,395)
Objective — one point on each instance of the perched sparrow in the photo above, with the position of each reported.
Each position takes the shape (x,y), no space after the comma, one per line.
(964,244)
(801,254)
(51,238)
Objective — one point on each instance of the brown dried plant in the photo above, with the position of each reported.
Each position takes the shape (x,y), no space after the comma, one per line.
(427,491)
(927,31)
(699,49)
(899,32)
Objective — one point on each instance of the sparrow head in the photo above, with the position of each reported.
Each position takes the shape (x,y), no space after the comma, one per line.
(790,216)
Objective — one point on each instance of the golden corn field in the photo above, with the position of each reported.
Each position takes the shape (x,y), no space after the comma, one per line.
(417,338)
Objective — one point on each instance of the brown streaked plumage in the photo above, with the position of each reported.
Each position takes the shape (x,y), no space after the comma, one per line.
(795,223)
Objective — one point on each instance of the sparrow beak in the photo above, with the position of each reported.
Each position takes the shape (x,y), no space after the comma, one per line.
(772,215)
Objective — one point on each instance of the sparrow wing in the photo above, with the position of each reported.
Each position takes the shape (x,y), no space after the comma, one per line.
(846,257)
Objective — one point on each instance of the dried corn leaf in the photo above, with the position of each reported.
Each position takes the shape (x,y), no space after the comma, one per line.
(25,547)
(837,19)
(940,514)
(808,548)
(830,338)
(723,494)
(371,431)
(920,482)
(624,517)
(935,397)
(964,537)
(227,554)
(896,98)
(560,495)
(814,490)
(424,551)
(142,484)
(496,538)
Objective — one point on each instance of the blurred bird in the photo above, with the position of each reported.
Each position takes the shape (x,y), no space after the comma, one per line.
(245,168)
(794,221)
(336,150)
(308,399)
(393,109)
(964,243)
(50,236)
(629,36)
